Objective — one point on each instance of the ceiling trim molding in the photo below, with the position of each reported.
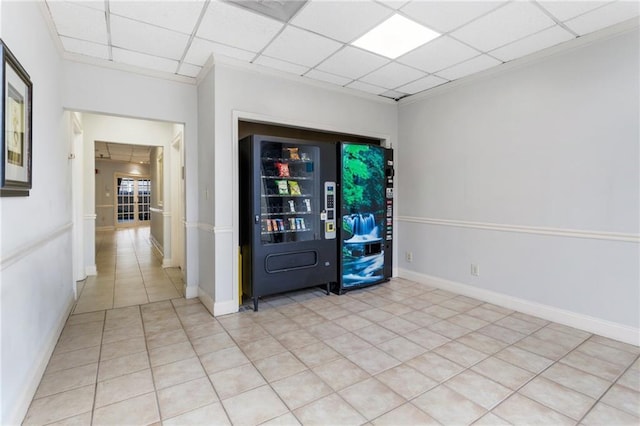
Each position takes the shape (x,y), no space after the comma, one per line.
(260,69)
(576,43)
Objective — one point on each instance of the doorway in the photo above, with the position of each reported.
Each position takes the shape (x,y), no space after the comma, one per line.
(133,200)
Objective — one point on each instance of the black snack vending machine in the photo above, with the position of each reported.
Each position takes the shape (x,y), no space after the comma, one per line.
(287,215)
(365,247)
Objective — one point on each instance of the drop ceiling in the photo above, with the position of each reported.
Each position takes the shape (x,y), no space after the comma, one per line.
(122,152)
(313,39)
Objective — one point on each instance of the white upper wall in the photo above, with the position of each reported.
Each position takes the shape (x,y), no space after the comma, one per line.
(550,144)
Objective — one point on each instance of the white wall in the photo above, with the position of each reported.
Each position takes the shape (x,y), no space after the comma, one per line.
(35,268)
(89,88)
(532,174)
(247,93)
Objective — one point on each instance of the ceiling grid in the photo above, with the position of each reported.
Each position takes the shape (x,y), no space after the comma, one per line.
(313,38)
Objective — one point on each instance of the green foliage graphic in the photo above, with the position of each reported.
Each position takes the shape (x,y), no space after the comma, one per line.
(362,178)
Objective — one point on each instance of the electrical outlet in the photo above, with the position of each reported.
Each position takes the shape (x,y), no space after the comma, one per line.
(408,256)
(475,270)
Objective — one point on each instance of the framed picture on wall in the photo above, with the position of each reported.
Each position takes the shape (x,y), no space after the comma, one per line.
(15,167)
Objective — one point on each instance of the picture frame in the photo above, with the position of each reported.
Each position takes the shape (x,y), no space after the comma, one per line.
(15,126)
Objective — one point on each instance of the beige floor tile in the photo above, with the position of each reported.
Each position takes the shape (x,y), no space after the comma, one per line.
(279,366)
(373,360)
(399,325)
(421,318)
(301,389)
(177,372)
(406,381)
(484,392)
(566,401)
(406,414)
(316,354)
(502,372)
(120,366)
(171,353)
(449,329)
(262,348)
(371,398)
(245,335)
(483,343)
(593,365)
(223,359)
(460,354)
(204,345)
(603,414)
(330,410)
(85,318)
(114,323)
(375,334)
(141,410)
(439,401)
(353,322)
(485,314)
(185,397)
(233,381)
(74,343)
(83,419)
(402,348)
(577,380)
(122,333)
(434,366)
(524,359)
(254,406)
(491,419)
(203,330)
(73,359)
(630,379)
(607,353)
(162,338)
(297,339)
(427,338)
(623,399)
(520,410)
(518,325)
(60,406)
(212,414)
(347,343)
(547,349)
(324,331)
(340,373)
(94,327)
(123,387)
(503,334)
(122,348)
(440,311)
(287,419)
(615,344)
(64,380)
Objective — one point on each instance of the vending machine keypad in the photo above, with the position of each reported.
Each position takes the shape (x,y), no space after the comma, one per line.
(330,209)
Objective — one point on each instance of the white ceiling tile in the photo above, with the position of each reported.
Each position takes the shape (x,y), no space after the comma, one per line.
(365,87)
(352,62)
(77,21)
(504,25)
(393,94)
(564,10)
(301,47)
(141,37)
(394,4)
(477,64)
(438,54)
(189,70)
(422,84)
(144,61)
(233,26)
(93,4)
(392,75)
(341,20)
(177,16)
(281,65)
(327,77)
(611,14)
(87,48)
(445,16)
(200,50)
(542,40)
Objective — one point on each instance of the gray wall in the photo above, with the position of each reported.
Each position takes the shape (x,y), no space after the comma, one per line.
(532,174)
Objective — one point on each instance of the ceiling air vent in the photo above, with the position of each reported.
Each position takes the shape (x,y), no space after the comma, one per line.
(282,10)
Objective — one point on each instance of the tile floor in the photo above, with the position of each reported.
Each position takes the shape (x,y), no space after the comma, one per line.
(399,353)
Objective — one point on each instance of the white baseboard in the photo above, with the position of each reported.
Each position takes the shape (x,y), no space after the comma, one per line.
(224,308)
(613,330)
(190,291)
(206,300)
(156,246)
(91,270)
(167,262)
(23,402)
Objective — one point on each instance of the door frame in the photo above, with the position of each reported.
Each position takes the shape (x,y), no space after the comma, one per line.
(136,221)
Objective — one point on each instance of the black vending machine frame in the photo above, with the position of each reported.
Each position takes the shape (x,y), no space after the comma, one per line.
(387,228)
(312,261)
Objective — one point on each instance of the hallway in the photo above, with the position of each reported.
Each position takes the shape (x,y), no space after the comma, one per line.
(129,273)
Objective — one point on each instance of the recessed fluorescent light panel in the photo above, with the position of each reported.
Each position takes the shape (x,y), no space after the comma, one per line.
(395,37)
